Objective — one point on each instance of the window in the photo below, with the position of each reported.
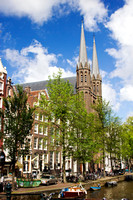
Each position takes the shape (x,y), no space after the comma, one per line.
(45,130)
(45,144)
(97,88)
(40,143)
(36,116)
(85,78)
(51,135)
(1,85)
(35,143)
(94,88)
(45,158)
(36,128)
(57,158)
(41,117)
(1,102)
(81,78)
(9,91)
(29,142)
(46,119)
(35,163)
(41,129)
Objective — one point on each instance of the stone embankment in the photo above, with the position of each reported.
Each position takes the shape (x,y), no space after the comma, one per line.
(34,193)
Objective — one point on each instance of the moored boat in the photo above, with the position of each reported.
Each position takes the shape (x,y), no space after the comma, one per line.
(73,192)
(25,183)
(111,183)
(95,188)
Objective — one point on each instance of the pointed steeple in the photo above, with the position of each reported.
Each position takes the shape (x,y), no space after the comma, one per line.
(95,68)
(83,53)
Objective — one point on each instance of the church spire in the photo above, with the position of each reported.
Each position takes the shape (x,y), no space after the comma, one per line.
(83,53)
(95,68)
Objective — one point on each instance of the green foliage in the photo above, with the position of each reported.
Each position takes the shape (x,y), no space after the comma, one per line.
(83,132)
(17,119)
(127,140)
(109,129)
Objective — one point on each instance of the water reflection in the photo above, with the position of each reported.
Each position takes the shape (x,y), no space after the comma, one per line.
(122,190)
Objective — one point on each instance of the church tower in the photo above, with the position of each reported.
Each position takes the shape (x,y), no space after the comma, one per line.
(88,82)
(96,77)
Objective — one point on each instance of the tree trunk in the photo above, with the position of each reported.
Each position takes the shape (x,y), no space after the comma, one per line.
(103,162)
(84,170)
(64,172)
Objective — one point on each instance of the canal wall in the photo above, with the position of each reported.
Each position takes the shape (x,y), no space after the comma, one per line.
(102,181)
(35,194)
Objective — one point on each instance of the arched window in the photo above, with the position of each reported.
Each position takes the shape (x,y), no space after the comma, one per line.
(81,78)
(85,78)
(97,88)
(94,88)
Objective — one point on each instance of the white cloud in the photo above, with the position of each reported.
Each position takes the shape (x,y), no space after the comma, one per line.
(37,10)
(130,114)
(40,11)
(73,62)
(33,63)
(126,93)
(110,95)
(121,28)
(94,12)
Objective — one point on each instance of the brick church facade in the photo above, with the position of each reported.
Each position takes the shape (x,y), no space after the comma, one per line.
(87,80)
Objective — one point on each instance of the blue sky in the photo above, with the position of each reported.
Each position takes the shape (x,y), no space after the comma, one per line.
(39,37)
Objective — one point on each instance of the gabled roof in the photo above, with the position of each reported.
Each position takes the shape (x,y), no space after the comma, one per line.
(41,85)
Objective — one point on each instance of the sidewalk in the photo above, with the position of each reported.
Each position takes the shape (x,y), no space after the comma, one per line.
(59,186)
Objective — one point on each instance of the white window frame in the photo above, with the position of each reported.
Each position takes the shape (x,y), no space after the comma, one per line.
(36,128)
(40,143)
(45,130)
(45,142)
(36,116)
(36,143)
(41,129)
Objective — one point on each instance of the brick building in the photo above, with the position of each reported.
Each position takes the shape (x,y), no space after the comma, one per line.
(89,81)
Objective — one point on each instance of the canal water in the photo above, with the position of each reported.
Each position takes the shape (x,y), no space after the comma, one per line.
(122,190)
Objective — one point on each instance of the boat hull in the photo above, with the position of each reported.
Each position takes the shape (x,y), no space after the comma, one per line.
(95,188)
(73,194)
(111,184)
(28,183)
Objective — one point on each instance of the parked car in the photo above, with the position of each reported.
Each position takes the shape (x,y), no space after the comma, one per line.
(48,179)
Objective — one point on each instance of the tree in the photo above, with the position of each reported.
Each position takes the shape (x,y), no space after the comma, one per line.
(17,119)
(109,128)
(58,109)
(127,141)
(83,141)
(101,109)
(113,141)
